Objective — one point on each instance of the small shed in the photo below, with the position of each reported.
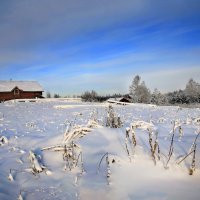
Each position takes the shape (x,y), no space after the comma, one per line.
(124,99)
(120,100)
(20,90)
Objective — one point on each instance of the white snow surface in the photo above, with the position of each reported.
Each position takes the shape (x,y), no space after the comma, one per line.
(30,127)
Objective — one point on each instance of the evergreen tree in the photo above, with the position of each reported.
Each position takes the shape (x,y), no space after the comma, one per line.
(48,95)
(56,96)
(90,96)
(158,98)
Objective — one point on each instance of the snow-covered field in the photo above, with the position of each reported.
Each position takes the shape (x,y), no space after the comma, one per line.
(87,160)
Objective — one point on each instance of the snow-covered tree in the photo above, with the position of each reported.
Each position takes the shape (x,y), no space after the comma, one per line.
(177,97)
(133,89)
(143,93)
(158,98)
(90,96)
(138,91)
(192,91)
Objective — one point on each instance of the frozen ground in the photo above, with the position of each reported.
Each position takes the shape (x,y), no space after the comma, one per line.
(132,172)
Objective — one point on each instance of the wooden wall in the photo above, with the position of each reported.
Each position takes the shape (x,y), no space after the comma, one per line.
(4,96)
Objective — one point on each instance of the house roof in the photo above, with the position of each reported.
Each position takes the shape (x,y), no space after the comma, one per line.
(120,99)
(7,86)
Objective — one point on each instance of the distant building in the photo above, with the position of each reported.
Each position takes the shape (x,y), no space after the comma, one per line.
(120,100)
(20,90)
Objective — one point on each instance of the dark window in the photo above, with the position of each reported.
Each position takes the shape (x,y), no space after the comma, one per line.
(16,92)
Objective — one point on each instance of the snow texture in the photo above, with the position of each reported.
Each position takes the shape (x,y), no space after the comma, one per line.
(102,167)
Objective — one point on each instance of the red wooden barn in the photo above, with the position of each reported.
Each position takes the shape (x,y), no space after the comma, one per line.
(20,90)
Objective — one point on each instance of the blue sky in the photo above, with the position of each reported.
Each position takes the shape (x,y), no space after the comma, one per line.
(73,46)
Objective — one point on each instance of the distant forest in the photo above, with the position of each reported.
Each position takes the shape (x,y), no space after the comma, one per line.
(139,93)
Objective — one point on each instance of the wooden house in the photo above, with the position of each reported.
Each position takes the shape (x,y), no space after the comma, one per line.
(20,90)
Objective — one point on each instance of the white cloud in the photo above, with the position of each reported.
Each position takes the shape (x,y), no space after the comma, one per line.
(108,83)
(31,29)
(171,79)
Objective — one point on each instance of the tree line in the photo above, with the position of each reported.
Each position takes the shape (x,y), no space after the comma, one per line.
(48,95)
(139,93)
(94,97)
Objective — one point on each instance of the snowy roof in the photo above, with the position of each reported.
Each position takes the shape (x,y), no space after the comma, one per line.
(7,86)
(117,99)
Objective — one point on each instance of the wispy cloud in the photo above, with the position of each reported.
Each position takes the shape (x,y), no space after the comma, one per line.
(91,43)
(171,79)
(108,83)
